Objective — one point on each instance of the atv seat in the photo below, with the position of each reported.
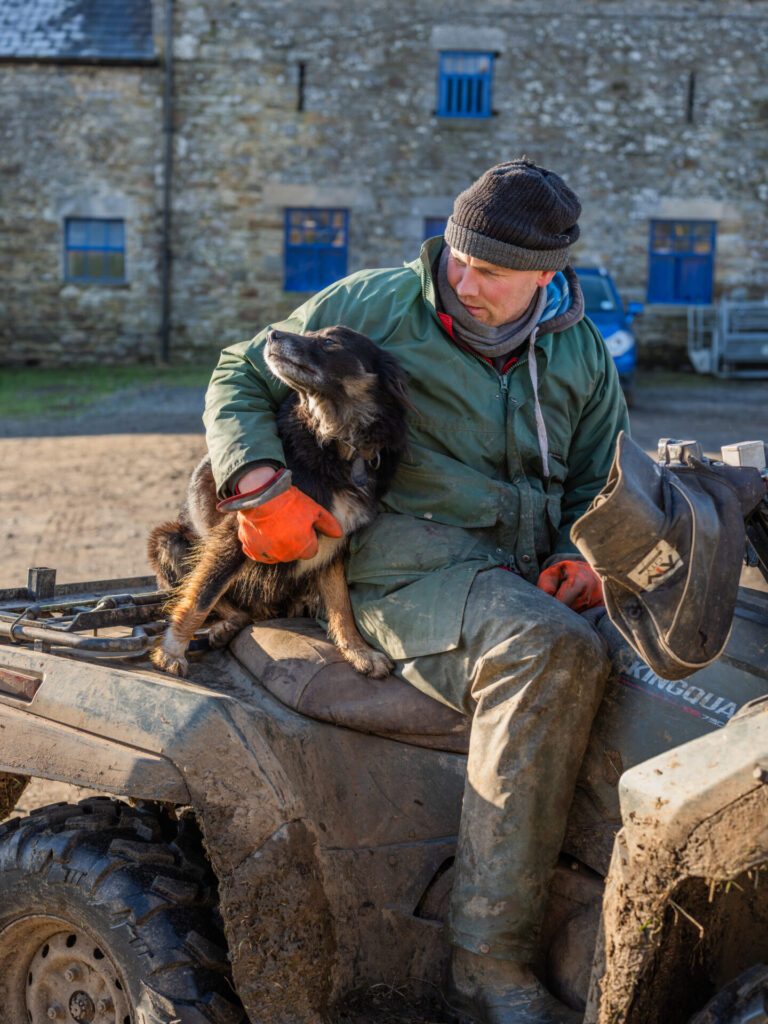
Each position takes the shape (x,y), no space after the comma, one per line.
(296,662)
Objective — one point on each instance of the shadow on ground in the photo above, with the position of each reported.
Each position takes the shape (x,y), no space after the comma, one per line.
(690,407)
(681,405)
(153,409)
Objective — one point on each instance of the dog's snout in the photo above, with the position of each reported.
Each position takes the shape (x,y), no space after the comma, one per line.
(281,337)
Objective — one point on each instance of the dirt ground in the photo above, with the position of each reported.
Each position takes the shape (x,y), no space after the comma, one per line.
(84,504)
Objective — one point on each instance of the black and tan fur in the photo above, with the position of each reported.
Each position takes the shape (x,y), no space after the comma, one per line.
(348,403)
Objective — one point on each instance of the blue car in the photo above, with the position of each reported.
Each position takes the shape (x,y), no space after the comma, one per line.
(605,309)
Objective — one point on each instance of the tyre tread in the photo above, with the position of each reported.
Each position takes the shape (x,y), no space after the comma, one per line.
(161,893)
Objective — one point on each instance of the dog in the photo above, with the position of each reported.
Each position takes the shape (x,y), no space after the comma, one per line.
(344,430)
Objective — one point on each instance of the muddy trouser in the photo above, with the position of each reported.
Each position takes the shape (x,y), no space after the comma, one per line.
(531,673)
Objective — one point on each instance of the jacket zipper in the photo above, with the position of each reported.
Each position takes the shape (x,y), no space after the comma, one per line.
(503,376)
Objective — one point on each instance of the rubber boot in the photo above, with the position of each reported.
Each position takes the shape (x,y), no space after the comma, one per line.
(483,990)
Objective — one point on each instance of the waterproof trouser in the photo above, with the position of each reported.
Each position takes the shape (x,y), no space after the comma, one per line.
(531,673)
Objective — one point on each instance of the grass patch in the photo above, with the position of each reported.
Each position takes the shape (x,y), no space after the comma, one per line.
(27,392)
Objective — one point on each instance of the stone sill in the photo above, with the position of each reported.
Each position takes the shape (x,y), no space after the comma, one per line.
(666,307)
(459,123)
(111,285)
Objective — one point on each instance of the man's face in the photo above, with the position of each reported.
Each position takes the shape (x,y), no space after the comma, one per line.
(493,295)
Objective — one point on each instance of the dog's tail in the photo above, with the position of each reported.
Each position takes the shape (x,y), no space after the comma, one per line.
(169,548)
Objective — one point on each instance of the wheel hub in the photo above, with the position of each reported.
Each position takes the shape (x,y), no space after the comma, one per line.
(81,1006)
(71,978)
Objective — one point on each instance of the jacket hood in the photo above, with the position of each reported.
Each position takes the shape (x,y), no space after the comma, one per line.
(565,303)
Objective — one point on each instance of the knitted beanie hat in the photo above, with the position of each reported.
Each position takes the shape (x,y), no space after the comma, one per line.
(516,215)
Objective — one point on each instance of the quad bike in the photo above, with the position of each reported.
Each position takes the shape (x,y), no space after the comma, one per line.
(277,835)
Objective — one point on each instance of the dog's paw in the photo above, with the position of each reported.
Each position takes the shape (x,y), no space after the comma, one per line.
(176,665)
(221,633)
(369,662)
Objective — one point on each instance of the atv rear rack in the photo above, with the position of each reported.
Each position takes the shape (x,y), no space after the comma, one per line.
(46,615)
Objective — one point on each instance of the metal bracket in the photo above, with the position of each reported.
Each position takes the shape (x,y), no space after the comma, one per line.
(678,453)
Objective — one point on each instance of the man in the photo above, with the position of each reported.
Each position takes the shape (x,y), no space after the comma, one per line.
(517,407)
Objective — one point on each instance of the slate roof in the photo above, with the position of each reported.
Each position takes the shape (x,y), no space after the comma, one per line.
(110,30)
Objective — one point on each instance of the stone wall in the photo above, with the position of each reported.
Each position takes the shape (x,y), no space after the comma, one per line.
(599,91)
(78,141)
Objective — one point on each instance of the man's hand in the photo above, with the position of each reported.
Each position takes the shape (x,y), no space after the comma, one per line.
(573,583)
(285,527)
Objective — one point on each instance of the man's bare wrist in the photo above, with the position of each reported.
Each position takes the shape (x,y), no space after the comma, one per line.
(254,478)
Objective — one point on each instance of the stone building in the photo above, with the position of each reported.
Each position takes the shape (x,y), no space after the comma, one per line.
(310,139)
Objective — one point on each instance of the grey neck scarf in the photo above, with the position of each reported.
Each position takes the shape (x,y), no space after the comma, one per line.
(487,341)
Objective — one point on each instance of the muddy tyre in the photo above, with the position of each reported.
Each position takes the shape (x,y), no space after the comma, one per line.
(743,999)
(107,914)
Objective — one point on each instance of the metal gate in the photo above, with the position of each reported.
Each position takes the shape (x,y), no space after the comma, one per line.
(729,339)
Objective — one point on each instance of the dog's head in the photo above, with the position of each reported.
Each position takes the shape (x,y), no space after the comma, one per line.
(349,388)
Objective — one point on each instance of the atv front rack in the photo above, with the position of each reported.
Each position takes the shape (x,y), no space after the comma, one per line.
(45,615)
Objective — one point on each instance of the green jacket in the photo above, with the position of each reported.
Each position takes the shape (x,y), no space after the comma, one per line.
(471,493)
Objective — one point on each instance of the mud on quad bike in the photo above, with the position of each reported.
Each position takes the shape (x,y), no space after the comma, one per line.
(280,832)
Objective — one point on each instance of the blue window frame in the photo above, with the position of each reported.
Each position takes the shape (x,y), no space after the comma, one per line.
(464,84)
(681,261)
(434,226)
(315,248)
(94,250)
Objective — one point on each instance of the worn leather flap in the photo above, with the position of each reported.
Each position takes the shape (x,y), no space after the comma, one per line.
(294,660)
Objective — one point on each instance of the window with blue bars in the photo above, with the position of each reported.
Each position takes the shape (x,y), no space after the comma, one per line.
(434,226)
(94,250)
(681,261)
(315,248)
(464,84)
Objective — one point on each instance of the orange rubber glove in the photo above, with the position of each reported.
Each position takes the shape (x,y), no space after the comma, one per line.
(573,583)
(283,528)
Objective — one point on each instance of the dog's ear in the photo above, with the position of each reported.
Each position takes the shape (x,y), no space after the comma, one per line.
(394,379)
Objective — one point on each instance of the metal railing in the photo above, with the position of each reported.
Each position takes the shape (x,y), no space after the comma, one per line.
(69,617)
(729,339)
